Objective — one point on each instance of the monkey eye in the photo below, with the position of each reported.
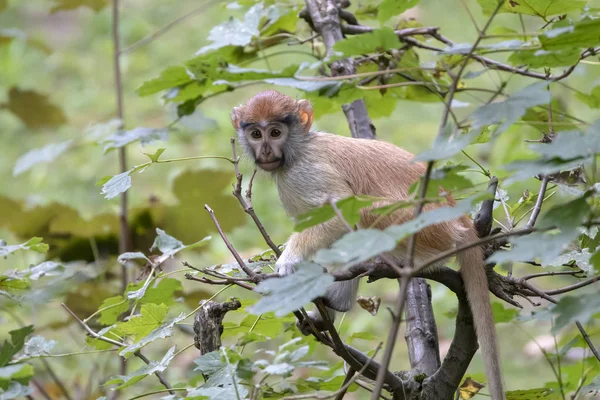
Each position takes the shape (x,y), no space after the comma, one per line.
(255,134)
(275,133)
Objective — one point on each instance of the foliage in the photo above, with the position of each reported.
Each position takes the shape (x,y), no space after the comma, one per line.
(523,110)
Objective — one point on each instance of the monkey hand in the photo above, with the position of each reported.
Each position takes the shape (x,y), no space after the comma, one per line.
(286,264)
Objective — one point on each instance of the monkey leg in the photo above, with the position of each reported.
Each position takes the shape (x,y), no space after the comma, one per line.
(340,297)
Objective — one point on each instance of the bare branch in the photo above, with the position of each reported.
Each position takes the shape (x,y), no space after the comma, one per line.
(138,354)
(232,250)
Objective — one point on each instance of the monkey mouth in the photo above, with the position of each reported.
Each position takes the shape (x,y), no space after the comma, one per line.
(270,165)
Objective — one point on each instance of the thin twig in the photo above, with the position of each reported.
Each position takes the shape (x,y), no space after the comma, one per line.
(232,250)
(573,287)
(138,354)
(538,204)
(550,273)
(583,332)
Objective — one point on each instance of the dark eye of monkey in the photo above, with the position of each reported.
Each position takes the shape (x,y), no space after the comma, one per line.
(255,134)
(275,133)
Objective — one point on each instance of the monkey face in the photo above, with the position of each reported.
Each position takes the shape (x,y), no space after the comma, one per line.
(267,141)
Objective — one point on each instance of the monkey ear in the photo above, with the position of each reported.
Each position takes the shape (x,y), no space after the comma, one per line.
(305,113)
(235,117)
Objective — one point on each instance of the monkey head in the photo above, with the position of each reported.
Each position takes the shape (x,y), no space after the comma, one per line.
(269,124)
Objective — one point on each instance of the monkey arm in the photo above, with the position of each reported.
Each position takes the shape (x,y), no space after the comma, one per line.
(303,245)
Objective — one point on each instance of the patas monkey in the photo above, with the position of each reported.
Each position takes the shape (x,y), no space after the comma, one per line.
(311,167)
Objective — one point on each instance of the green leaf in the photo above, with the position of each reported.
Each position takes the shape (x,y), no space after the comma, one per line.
(161,332)
(210,363)
(447,177)
(377,41)
(362,335)
(154,157)
(525,169)
(592,99)
(17,341)
(575,308)
(349,207)
(38,346)
(266,324)
(582,34)
(118,305)
(545,58)
(568,145)
(289,293)
(540,8)
(511,109)
(356,247)
(170,77)
(144,135)
(34,244)
(502,314)
(127,380)
(44,154)
(304,85)
(34,109)
(67,5)
(151,317)
(233,73)
(534,394)
(547,246)
(390,8)
(162,293)
(235,32)
(117,184)
(581,258)
(431,217)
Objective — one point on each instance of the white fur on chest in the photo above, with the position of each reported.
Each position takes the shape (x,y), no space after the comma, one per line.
(301,190)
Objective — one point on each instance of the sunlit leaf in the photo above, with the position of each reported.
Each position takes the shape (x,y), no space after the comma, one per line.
(17,372)
(154,157)
(469,388)
(123,258)
(593,387)
(568,145)
(47,268)
(235,32)
(34,109)
(284,295)
(209,363)
(44,154)
(127,380)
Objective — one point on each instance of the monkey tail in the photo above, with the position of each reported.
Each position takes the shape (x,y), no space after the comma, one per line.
(472,268)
